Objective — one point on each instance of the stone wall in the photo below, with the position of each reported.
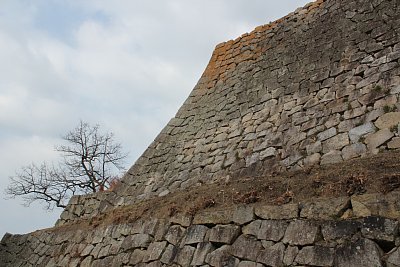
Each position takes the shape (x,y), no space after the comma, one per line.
(357,231)
(318,86)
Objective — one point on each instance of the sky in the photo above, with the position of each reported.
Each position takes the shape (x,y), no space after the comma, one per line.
(127,65)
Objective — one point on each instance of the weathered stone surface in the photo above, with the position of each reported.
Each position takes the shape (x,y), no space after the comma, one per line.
(336,230)
(182,219)
(268,212)
(196,234)
(353,151)
(327,134)
(221,257)
(290,255)
(224,233)
(249,264)
(272,230)
(360,131)
(136,241)
(331,157)
(175,234)
(213,217)
(315,256)
(377,205)
(301,233)
(394,143)
(394,258)
(154,251)
(363,252)
(272,256)
(202,250)
(324,208)
(388,120)
(169,254)
(246,247)
(380,137)
(185,255)
(243,214)
(335,143)
(379,228)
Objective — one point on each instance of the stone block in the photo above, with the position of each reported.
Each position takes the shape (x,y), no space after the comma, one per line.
(154,251)
(272,230)
(331,157)
(322,136)
(184,256)
(335,143)
(195,234)
(136,241)
(387,206)
(359,131)
(353,151)
(221,257)
(380,137)
(388,120)
(289,256)
(283,212)
(246,247)
(335,230)
(213,217)
(312,159)
(394,258)
(175,234)
(362,252)
(272,256)
(379,228)
(243,214)
(325,209)
(169,254)
(315,256)
(225,234)
(249,264)
(394,143)
(202,250)
(301,233)
(181,219)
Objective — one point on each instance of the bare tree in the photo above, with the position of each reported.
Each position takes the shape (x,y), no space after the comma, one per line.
(90,162)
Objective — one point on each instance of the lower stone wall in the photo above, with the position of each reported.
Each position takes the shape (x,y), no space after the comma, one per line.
(358,231)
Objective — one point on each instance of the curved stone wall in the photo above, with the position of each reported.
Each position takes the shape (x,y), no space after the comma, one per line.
(318,86)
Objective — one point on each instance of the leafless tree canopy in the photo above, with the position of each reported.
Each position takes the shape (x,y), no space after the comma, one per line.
(90,162)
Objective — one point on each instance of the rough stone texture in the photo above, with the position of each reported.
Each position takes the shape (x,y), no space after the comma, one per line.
(325,209)
(291,93)
(301,233)
(359,241)
(309,88)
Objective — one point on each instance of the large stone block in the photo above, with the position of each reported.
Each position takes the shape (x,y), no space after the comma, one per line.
(315,256)
(269,212)
(272,256)
(301,233)
(362,252)
(324,209)
(246,247)
(195,234)
(225,234)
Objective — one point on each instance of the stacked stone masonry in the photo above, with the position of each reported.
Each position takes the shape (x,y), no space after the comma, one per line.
(318,86)
(357,231)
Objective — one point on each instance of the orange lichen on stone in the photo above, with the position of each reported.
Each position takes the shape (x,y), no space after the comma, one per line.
(228,55)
